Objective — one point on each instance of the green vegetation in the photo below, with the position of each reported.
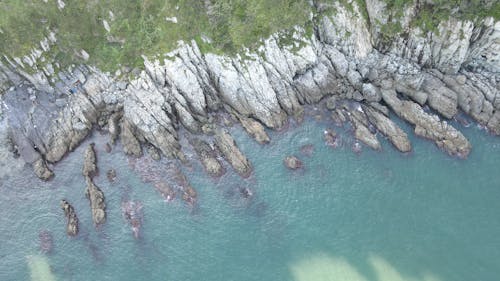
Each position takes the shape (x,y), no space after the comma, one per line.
(428,16)
(140,27)
(153,27)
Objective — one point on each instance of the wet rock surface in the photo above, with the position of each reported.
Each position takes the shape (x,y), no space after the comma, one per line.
(227,146)
(208,157)
(97,204)
(72,219)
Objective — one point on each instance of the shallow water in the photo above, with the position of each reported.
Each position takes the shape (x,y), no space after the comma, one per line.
(374,216)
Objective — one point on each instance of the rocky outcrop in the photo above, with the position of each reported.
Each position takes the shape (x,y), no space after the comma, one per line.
(428,125)
(255,129)
(388,128)
(346,57)
(292,162)
(208,157)
(227,146)
(72,219)
(89,162)
(41,170)
(97,204)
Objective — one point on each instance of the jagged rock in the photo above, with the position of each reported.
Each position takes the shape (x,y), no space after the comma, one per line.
(89,162)
(97,204)
(41,170)
(361,131)
(255,129)
(429,125)
(347,57)
(131,145)
(440,97)
(113,126)
(208,157)
(292,162)
(227,146)
(72,219)
(387,127)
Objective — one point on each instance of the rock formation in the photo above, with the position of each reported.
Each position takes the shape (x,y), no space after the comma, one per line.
(97,205)
(89,162)
(292,162)
(348,56)
(227,146)
(72,219)
(208,157)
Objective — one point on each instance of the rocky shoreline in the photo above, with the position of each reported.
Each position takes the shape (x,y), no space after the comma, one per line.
(426,80)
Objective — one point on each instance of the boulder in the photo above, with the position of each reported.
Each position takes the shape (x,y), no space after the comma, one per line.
(292,162)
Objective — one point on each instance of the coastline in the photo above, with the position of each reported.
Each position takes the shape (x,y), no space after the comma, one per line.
(338,65)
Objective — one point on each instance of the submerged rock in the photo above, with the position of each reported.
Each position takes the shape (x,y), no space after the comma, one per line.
(165,190)
(292,162)
(189,195)
(46,242)
(72,219)
(111,175)
(227,146)
(307,150)
(246,192)
(132,212)
(330,137)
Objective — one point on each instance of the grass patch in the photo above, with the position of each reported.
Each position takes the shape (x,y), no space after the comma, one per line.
(140,27)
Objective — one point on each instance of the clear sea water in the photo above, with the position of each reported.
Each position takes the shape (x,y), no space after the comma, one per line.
(381,216)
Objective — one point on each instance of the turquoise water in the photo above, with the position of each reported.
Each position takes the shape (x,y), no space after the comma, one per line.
(374,216)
